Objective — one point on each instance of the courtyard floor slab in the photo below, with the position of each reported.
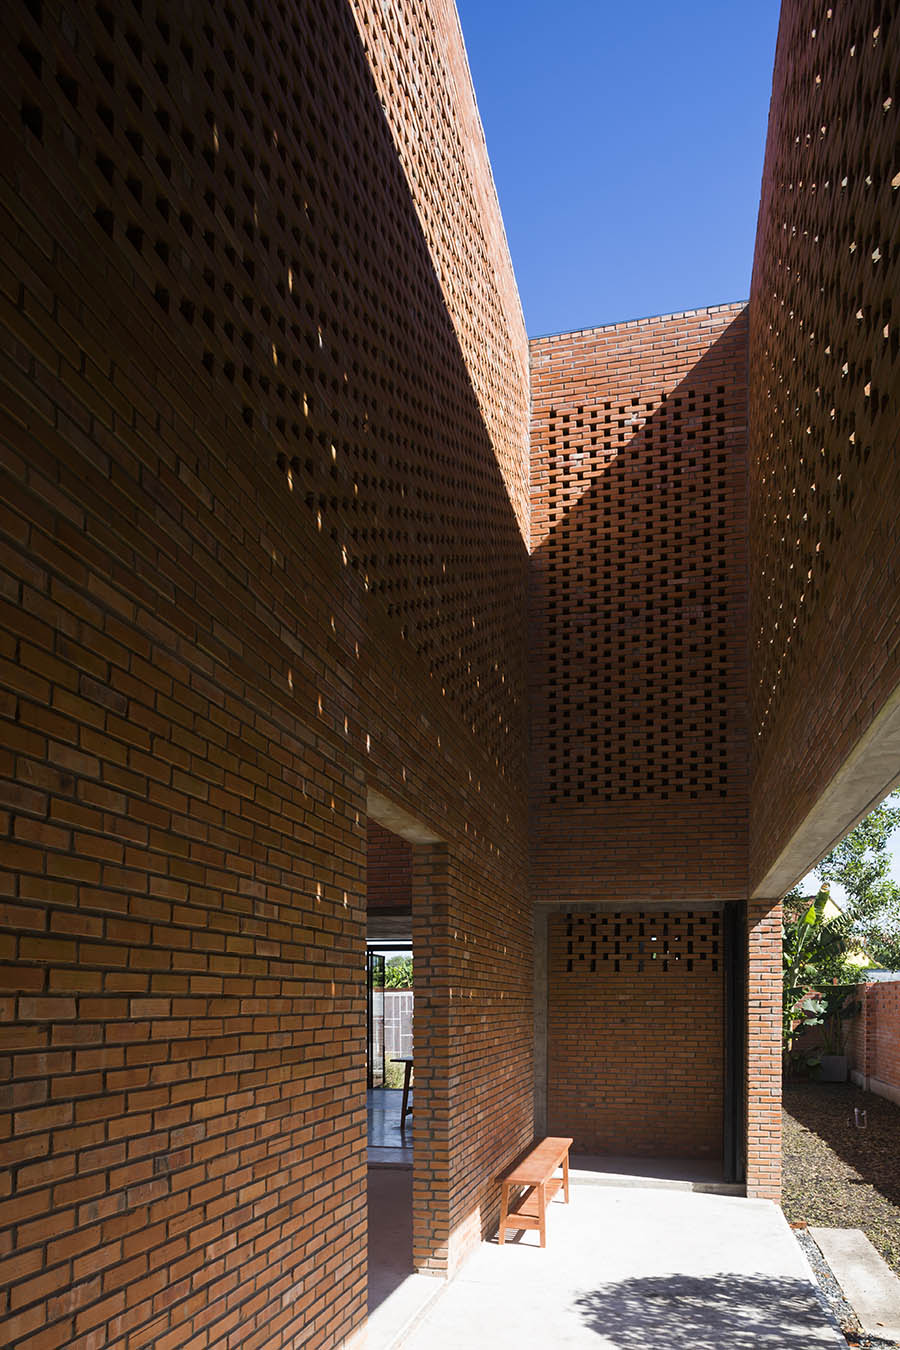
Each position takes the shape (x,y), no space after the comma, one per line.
(676,1174)
(637,1269)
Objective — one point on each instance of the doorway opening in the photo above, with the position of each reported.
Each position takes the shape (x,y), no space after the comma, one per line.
(390,1083)
(389,1036)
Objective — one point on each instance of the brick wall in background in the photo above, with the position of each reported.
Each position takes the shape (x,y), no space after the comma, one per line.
(388,870)
(638,610)
(874,1039)
(258,554)
(635,1037)
(824,413)
(856,1037)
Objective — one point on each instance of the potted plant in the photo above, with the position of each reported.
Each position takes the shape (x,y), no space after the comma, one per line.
(834,1010)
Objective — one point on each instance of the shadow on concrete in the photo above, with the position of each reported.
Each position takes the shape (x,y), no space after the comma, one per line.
(390,1231)
(713,1312)
(678,1173)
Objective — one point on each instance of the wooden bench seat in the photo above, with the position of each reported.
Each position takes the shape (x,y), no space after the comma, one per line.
(535,1174)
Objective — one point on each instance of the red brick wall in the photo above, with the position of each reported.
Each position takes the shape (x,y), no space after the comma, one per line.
(464,228)
(856,1035)
(474,1049)
(874,1041)
(260,551)
(825,369)
(388,870)
(764,1049)
(635,1037)
(638,610)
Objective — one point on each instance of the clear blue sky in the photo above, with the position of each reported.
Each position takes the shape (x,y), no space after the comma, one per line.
(627,145)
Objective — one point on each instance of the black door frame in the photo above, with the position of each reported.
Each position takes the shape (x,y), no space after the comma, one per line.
(372,957)
(734,933)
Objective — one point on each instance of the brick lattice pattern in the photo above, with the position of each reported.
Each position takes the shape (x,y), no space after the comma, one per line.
(824,410)
(638,608)
(265,521)
(656,942)
(261,550)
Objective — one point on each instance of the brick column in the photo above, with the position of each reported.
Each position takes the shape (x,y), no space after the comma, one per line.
(431,1047)
(764,1049)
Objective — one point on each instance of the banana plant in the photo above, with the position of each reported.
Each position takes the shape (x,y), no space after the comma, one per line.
(814,948)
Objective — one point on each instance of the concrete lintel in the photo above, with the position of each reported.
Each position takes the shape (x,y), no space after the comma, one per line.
(544,907)
(396,818)
(867,775)
(389,928)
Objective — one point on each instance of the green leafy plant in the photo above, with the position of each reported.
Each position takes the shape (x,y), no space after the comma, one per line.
(821,944)
(815,945)
(398,972)
(860,864)
(393,1075)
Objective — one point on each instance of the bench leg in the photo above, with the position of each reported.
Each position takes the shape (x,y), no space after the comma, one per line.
(566,1175)
(542,1212)
(504,1211)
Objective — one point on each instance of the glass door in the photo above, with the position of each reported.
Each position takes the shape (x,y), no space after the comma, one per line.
(375,1013)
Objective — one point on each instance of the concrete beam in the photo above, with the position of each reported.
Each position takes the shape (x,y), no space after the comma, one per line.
(396,818)
(544,907)
(867,775)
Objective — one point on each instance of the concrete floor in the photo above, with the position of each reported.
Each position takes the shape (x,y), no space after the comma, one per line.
(387,1142)
(677,1174)
(397,1296)
(636,1269)
(390,1231)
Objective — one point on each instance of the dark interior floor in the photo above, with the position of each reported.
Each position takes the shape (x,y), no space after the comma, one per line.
(685,1172)
(388,1143)
(390,1230)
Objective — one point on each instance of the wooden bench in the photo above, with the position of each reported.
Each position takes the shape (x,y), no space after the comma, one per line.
(535,1174)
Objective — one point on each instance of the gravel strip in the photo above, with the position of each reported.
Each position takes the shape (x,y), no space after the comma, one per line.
(830,1294)
(837,1175)
(834,1301)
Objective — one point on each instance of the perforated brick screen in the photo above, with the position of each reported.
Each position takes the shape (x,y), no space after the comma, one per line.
(659,942)
(264,405)
(238,187)
(638,604)
(824,410)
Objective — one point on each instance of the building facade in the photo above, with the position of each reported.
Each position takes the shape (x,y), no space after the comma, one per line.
(313,567)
